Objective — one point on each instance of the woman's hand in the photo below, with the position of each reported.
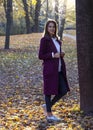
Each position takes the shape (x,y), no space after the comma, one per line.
(57,55)
(62,54)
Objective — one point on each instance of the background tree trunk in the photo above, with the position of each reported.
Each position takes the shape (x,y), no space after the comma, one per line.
(62,19)
(57,12)
(27,19)
(84,16)
(61,28)
(9,19)
(5,5)
(37,12)
(46,10)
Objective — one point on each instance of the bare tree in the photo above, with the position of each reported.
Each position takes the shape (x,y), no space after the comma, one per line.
(37,12)
(47,6)
(57,11)
(9,19)
(84,16)
(62,19)
(27,18)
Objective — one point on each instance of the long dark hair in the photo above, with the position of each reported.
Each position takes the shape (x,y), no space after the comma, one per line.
(46,33)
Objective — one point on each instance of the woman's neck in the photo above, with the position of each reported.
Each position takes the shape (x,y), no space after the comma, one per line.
(52,36)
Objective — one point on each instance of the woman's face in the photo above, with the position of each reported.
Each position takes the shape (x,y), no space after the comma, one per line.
(51,29)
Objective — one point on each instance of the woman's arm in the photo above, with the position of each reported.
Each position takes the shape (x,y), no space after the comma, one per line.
(43,54)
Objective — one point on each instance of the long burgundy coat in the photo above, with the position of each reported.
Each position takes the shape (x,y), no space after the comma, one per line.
(50,66)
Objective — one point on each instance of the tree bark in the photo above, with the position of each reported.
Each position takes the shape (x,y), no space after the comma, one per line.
(9,18)
(61,28)
(84,20)
(62,19)
(37,11)
(27,19)
(5,6)
(47,10)
(56,12)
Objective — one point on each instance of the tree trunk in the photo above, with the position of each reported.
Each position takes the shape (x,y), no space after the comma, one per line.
(62,19)
(84,19)
(56,12)
(9,18)
(46,10)
(27,19)
(37,11)
(61,28)
(5,6)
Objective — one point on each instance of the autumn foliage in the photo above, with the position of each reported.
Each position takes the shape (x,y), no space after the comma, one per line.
(21,88)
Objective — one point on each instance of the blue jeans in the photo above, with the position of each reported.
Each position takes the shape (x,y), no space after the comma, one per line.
(48,101)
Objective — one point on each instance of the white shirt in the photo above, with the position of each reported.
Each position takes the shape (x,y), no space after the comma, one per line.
(58,50)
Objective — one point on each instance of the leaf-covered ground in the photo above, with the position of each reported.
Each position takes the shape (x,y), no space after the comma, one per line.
(21,94)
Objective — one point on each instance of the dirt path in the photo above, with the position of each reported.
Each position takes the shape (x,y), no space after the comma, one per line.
(70,36)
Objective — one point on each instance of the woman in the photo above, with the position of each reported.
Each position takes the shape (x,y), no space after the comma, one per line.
(54,70)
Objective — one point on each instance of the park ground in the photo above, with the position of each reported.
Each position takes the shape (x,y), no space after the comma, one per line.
(21,91)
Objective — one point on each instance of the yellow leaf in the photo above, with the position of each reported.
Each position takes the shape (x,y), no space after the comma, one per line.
(12,111)
(34,2)
(14,118)
(9,103)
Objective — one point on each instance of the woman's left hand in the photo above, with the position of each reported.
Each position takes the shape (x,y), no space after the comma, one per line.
(62,54)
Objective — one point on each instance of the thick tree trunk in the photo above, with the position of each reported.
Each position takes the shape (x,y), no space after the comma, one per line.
(37,11)
(9,18)
(84,19)
(27,19)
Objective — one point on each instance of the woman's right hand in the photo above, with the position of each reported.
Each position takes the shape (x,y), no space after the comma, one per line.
(57,55)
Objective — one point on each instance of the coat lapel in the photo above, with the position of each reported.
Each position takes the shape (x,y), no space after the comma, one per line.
(53,46)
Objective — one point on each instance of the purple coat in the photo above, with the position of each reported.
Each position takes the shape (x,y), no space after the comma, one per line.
(50,66)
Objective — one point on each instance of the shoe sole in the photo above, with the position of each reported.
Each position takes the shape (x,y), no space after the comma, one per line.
(50,121)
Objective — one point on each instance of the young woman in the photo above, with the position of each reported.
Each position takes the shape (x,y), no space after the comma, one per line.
(54,70)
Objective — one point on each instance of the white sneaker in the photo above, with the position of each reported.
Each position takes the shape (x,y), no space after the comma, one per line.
(53,119)
(44,109)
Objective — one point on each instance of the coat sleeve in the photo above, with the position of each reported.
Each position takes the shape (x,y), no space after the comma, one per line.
(43,54)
